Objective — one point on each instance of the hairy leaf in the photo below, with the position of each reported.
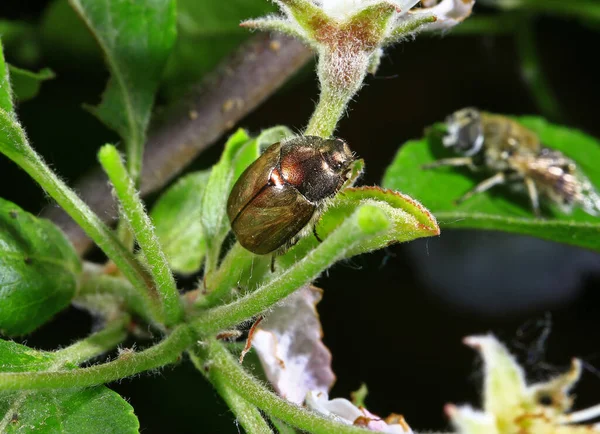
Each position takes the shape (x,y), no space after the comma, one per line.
(6,102)
(499,208)
(38,270)
(239,152)
(408,219)
(92,410)
(26,84)
(207,31)
(177,217)
(136,38)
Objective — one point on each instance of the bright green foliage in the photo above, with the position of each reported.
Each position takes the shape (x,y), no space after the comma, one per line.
(207,31)
(26,84)
(92,410)
(500,208)
(239,152)
(408,219)
(6,102)
(38,270)
(177,216)
(136,38)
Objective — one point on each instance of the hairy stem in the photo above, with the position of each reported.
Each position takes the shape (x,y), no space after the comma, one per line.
(96,344)
(129,363)
(223,368)
(94,281)
(133,210)
(366,221)
(246,414)
(20,152)
(328,112)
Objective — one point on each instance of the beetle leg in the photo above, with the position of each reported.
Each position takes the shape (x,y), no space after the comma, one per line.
(273,255)
(453,162)
(316,234)
(533,196)
(498,178)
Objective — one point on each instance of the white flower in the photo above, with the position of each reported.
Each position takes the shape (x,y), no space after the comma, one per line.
(345,412)
(511,406)
(347,30)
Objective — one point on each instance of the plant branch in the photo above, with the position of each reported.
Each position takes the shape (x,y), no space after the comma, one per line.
(247,414)
(224,369)
(96,344)
(366,221)
(133,210)
(128,363)
(250,75)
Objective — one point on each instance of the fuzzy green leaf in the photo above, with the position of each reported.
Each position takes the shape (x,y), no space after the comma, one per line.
(92,410)
(136,38)
(26,84)
(500,208)
(207,31)
(38,270)
(177,219)
(240,151)
(6,102)
(409,220)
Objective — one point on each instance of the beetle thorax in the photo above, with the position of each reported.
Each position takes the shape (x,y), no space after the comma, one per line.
(308,171)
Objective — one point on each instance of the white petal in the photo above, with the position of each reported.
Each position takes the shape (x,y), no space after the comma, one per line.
(448,13)
(289,346)
(344,411)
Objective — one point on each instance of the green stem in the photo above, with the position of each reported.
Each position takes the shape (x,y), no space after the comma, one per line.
(531,69)
(140,223)
(96,344)
(17,148)
(366,221)
(223,368)
(247,414)
(127,364)
(234,266)
(94,281)
(329,110)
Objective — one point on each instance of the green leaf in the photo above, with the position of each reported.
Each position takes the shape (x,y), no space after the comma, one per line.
(26,84)
(6,102)
(207,30)
(92,410)
(498,209)
(240,151)
(21,40)
(38,270)
(177,219)
(136,38)
(408,219)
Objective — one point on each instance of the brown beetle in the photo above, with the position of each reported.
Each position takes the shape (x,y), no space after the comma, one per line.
(278,195)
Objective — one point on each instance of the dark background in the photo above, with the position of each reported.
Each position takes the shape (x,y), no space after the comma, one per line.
(393,319)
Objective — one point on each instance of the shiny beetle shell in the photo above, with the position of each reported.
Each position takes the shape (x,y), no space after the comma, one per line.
(278,194)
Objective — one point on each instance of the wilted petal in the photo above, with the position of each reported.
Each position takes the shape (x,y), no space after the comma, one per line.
(345,412)
(288,343)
